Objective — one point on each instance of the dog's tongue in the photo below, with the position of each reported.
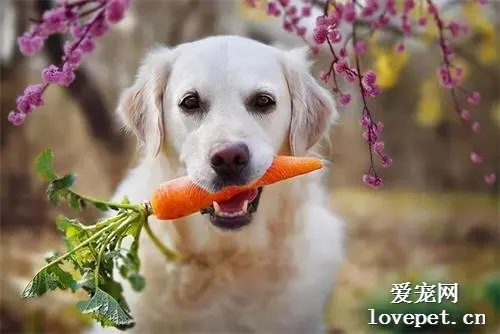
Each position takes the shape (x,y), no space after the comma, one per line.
(235,203)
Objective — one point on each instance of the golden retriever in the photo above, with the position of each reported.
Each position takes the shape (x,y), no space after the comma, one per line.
(265,261)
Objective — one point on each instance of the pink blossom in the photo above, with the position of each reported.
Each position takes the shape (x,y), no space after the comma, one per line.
(360,47)
(16,118)
(378,147)
(343,53)
(291,11)
(99,27)
(301,31)
(474,98)
(409,5)
(345,99)
(29,45)
(334,36)
(115,10)
(340,66)
(476,127)
(373,181)
(400,47)
(490,178)
(51,75)
(465,115)
(349,13)
(54,20)
(476,158)
(306,11)
(319,35)
(422,21)
(386,160)
(87,45)
(284,3)
(272,9)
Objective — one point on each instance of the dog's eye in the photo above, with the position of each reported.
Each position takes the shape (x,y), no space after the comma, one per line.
(190,103)
(262,102)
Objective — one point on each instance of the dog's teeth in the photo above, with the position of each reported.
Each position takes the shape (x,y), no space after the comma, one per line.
(216,207)
(245,207)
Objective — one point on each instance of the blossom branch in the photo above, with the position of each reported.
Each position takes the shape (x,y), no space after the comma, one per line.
(67,16)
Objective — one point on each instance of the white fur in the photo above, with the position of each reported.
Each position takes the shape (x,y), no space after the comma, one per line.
(274,275)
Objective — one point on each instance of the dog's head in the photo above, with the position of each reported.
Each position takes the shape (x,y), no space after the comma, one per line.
(225,106)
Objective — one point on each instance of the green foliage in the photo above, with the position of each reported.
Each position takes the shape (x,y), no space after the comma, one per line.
(94,251)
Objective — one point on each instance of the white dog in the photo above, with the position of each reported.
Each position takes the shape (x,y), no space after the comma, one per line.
(218,109)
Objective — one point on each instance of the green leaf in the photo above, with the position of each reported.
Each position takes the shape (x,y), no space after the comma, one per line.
(75,234)
(137,282)
(106,310)
(76,202)
(492,292)
(48,279)
(58,188)
(44,165)
(100,206)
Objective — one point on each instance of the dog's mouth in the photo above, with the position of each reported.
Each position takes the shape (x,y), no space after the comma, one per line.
(236,212)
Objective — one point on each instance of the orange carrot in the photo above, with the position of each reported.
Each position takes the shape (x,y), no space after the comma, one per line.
(181,197)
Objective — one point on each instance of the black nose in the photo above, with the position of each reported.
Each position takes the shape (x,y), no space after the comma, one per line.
(228,162)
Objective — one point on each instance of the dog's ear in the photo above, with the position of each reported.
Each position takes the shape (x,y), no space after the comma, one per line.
(140,106)
(313,107)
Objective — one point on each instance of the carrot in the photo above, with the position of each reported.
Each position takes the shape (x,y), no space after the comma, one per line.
(181,197)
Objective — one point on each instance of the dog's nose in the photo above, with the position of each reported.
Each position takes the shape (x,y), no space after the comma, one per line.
(228,162)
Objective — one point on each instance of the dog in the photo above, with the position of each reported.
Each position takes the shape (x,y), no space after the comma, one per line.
(218,109)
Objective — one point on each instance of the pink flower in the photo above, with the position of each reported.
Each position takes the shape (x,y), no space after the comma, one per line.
(490,178)
(386,160)
(301,31)
(87,45)
(476,158)
(409,5)
(369,77)
(378,147)
(291,11)
(33,95)
(284,3)
(345,99)
(340,66)
(360,47)
(29,45)
(54,20)
(422,21)
(474,98)
(373,181)
(51,75)
(306,11)
(334,36)
(400,47)
(319,35)
(465,115)
(272,9)
(343,53)
(476,127)
(349,13)
(16,118)
(287,25)
(115,10)
(99,27)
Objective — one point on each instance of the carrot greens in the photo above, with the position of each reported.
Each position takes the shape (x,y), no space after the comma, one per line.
(95,252)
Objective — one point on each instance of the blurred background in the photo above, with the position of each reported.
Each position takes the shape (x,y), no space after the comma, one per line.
(435,220)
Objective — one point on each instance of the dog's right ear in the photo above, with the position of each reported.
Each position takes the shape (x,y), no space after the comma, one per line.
(140,106)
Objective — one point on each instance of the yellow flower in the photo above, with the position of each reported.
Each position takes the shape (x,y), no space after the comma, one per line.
(255,14)
(495,114)
(476,18)
(429,111)
(388,65)
(487,52)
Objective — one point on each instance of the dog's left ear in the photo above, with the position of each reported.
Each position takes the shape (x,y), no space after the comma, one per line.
(313,107)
